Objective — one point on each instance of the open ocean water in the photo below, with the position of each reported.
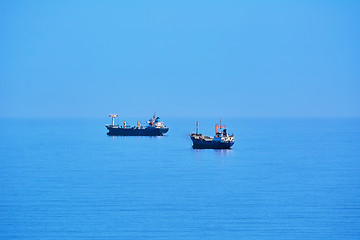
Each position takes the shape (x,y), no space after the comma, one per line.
(283,179)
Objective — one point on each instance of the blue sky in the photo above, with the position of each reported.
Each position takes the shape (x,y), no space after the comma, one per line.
(180,58)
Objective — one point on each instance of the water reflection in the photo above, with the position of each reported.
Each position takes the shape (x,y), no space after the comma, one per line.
(223,152)
(218,152)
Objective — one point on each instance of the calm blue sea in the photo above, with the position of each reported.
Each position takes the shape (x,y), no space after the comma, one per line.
(283,179)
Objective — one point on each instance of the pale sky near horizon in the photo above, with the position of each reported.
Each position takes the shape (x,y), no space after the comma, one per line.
(180,58)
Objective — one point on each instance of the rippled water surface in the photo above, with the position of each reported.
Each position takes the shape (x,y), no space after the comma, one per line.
(283,179)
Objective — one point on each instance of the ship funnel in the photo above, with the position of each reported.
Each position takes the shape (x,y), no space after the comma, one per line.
(113,116)
(197,127)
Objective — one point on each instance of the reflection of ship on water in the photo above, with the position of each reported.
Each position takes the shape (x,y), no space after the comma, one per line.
(221,140)
(154,128)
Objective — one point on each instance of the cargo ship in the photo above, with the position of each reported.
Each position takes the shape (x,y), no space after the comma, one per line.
(154,128)
(221,140)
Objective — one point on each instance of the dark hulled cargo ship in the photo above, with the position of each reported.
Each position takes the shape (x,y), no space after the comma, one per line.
(154,128)
(221,140)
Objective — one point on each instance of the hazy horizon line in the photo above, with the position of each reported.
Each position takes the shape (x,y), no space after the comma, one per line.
(179,117)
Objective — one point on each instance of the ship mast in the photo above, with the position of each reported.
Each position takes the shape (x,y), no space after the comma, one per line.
(113,116)
(219,126)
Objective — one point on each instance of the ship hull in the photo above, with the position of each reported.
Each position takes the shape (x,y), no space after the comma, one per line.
(201,144)
(116,131)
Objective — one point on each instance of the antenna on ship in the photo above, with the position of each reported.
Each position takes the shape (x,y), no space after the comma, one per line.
(113,116)
(221,126)
(197,127)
